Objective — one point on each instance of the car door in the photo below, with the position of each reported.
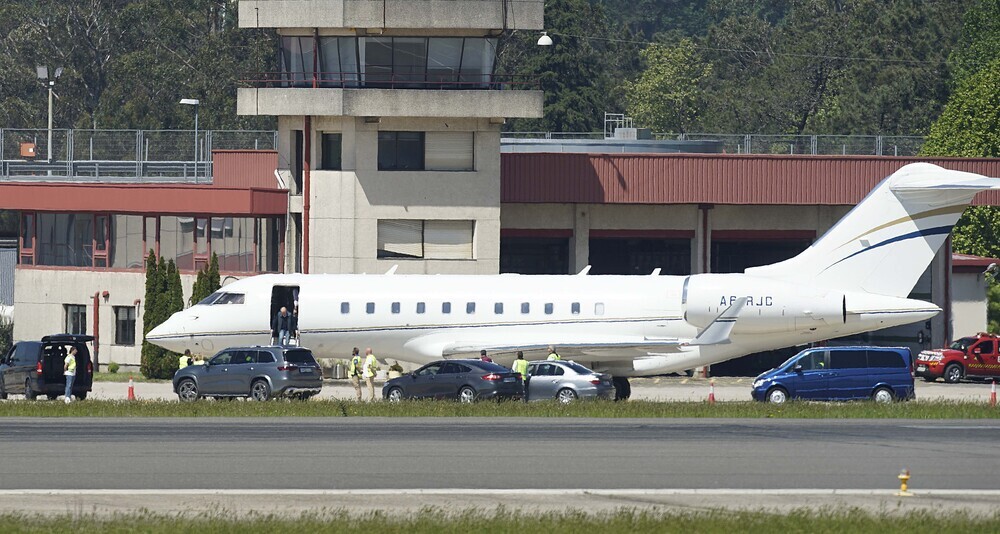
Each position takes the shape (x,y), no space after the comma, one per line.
(849,374)
(451,377)
(811,376)
(983,358)
(216,374)
(6,371)
(423,381)
(241,367)
(543,384)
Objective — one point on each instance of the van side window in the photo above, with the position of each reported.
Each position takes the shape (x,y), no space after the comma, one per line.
(813,361)
(885,358)
(848,359)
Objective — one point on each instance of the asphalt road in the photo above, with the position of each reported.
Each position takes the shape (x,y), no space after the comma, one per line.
(499,454)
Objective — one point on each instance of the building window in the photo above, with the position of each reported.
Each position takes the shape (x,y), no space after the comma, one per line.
(125,325)
(126,242)
(439,240)
(449,151)
(76,319)
(401,151)
(331,152)
(345,307)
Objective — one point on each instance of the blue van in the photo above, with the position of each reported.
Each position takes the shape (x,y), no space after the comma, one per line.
(882,374)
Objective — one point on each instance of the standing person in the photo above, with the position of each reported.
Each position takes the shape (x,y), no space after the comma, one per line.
(281,326)
(354,371)
(69,369)
(553,355)
(369,371)
(185,360)
(521,366)
(484,357)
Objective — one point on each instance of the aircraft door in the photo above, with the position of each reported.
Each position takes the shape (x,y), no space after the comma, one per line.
(283,297)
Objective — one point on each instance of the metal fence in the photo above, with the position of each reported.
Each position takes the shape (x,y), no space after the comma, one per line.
(870,145)
(120,155)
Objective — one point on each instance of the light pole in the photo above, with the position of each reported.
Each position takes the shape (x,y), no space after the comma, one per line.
(194,102)
(43,74)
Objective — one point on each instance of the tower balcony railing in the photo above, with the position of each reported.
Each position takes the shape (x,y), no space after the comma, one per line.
(392,80)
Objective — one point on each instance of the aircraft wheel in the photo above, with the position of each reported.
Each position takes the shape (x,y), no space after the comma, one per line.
(623,390)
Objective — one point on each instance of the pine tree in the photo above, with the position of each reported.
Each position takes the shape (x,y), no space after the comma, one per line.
(151,316)
(212,280)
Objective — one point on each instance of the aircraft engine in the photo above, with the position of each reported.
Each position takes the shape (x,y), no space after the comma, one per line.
(772,305)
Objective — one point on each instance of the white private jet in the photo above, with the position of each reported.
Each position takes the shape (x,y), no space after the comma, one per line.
(854,279)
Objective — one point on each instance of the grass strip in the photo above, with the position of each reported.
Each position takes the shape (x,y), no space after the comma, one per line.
(430,408)
(124,377)
(501,521)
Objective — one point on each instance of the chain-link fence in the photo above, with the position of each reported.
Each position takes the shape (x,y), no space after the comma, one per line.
(120,155)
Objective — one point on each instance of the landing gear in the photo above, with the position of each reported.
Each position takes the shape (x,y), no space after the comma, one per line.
(622,388)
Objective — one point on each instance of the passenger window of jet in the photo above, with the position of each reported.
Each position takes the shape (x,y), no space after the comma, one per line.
(395,307)
(445,307)
(470,307)
(421,307)
(525,307)
(599,308)
(575,308)
(548,308)
(498,308)
(345,307)
(370,307)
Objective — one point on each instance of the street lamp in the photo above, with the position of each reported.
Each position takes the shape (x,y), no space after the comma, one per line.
(194,102)
(43,74)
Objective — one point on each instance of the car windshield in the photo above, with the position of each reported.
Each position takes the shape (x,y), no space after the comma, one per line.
(299,356)
(581,370)
(962,344)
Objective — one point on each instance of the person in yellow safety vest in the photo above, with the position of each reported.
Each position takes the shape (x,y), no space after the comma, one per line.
(552,354)
(368,372)
(69,369)
(354,371)
(521,367)
(185,360)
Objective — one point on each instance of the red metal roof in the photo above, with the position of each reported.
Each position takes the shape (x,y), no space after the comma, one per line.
(177,199)
(968,263)
(708,178)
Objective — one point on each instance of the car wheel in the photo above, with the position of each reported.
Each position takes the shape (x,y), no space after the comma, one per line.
(52,396)
(953,373)
(395,395)
(883,395)
(466,394)
(566,395)
(777,395)
(29,394)
(187,391)
(260,391)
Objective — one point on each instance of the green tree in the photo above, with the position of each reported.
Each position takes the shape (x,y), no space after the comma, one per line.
(979,43)
(152,315)
(6,335)
(669,94)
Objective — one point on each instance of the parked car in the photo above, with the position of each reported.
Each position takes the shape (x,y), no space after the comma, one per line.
(256,372)
(969,357)
(465,380)
(882,374)
(33,368)
(566,381)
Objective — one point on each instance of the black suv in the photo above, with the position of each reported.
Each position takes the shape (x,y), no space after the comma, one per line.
(256,372)
(33,368)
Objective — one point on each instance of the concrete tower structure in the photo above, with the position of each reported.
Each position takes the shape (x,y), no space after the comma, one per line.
(389,113)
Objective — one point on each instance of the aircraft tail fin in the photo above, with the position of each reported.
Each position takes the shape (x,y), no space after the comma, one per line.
(886,242)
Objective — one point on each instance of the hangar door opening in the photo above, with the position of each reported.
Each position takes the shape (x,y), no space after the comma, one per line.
(638,255)
(534,255)
(734,255)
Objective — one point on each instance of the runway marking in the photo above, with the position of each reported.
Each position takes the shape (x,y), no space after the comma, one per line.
(511,492)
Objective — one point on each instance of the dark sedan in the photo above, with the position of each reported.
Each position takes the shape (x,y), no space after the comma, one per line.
(465,380)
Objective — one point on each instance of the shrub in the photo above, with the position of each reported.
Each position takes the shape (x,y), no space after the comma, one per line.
(113,368)
(6,335)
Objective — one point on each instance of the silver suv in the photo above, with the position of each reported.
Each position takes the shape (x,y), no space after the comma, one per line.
(256,372)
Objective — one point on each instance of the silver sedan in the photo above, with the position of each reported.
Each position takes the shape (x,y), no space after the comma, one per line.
(566,381)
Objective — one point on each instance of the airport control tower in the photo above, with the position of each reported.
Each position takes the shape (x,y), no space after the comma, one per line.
(389,118)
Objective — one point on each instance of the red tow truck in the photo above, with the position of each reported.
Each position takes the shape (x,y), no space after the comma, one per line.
(968,357)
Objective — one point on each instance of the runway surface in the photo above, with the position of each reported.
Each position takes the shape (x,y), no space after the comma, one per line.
(497,454)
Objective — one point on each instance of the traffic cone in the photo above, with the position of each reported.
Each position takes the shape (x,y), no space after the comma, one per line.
(993,394)
(131,390)
(711,391)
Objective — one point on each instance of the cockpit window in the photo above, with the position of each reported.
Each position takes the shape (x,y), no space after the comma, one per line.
(220,297)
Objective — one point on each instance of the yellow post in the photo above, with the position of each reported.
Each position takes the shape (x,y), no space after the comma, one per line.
(904,479)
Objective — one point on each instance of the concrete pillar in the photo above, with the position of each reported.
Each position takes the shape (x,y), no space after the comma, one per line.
(701,245)
(941,324)
(579,245)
